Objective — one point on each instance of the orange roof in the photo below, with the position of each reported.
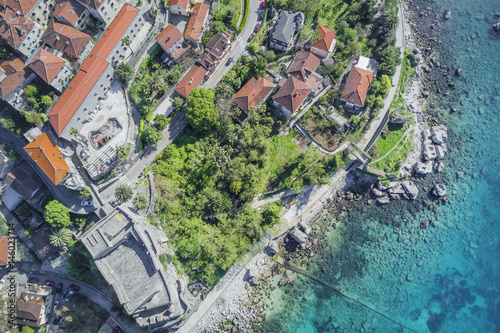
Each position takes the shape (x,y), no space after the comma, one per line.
(180,50)
(357,85)
(15,72)
(196,21)
(47,156)
(69,10)
(115,31)
(292,94)
(169,36)
(66,107)
(4,245)
(182,3)
(191,80)
(23,6)
(46,65)
(14,28)
(65,38)
(304,64)
(326,39)
(253,93)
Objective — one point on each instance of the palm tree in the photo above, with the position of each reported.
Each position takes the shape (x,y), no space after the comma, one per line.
(157,79)
(140,201)
(391,17)
(123,193)
(61,237)
(125,72)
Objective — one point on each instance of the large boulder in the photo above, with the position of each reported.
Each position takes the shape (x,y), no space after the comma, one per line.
(424,168)
(496,27)
(383,187)
(383,200)
(429,150)
(272,248)
(398,189)
(405,172)
(377,192)
(410,189)
(439,166)
(439,134)
(440,152)
(439,191)
(447,14)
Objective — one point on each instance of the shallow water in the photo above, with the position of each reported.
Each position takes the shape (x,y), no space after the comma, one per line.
(442,278)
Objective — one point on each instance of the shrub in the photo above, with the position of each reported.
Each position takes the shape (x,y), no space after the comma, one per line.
(269,55)
(30,91)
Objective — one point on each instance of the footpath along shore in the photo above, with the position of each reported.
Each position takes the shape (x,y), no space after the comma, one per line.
(230,299)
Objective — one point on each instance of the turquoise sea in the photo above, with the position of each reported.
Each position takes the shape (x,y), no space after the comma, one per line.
(441,278)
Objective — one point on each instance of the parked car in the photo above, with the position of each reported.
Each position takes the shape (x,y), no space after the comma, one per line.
(56,320)
(71,292)
(33,280)
(251,37)
(56,303)
(74,288)
(263,5)
(59,287)
(64,292)
(87,203)
(229,61)
(49,283)
(257,27)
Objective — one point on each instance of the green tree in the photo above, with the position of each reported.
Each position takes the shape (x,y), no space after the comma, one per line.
(379,102)
(349,34)
(8,124)
(46,100)
(269,55)
(151,135)
(30,91)
(178,103)
(125,72)
(56,214)
(385,84)
(279,3)
(175,74)
(160,122)
(201,113)
(258,66)
(33,117)
(123,193)
(84,194)
(140,201)
(60,237)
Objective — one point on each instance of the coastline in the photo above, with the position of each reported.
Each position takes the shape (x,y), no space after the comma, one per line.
(237,306)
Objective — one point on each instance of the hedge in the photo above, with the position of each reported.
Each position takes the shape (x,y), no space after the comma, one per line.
(247,8)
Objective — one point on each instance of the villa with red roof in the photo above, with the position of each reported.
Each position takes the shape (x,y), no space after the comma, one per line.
(291,96)
(94,78)
(356,88)
(323,44)
(14,77)
(178,7)
(170,38)
(50,68)
(36,10)
(48,158)
(72,13)
(196,24)
(303,67)
(253,94)
(19,32)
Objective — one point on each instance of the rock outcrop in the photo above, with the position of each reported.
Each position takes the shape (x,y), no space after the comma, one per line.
(298,236)
(439,191)
(410,189)
(424,168)
(439,134)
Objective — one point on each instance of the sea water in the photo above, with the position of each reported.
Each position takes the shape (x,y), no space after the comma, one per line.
(444,277)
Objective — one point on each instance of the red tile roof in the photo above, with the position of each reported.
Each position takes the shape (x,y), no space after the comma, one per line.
(23,6)
(16,73)
(292,94)
(47,156)
(65,38)
(4,245)
(182,3)
(326,38)
(180,50)
(191,80)
(169,36)
(197,20)
(14,28)
(304,64)
(70,10)
(66,107)
(46,65)
(357,85)
(253,93)
(115,31)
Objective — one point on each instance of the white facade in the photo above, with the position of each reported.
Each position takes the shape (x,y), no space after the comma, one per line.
(61,78)
(136,33)
(32,41)
(40,13)
(178,10)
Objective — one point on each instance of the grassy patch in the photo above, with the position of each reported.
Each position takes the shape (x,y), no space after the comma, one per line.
(244,21)
(235,7)
(321,129)
(83,315)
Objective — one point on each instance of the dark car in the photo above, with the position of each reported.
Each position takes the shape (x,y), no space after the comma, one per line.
(251,37)
(73,287)
(33,280)
(64,292)
(49,283)
(257,27)
(229,61)
(56,320)
(59,287)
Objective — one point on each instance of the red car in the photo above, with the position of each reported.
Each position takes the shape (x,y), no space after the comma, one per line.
(263,4)
(73,287)
(49,283)
(257,27)
(251,37)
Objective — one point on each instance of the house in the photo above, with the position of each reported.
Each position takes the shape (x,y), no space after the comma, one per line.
(303,67)
(356,88)
(170,38)
(51,69)
(37,11)
(72,13)
(253,93)
(48,158)
(4,250)
(323,44)
(14,77)
(282,35)
(19,32)
(32,304)
(368,64)
(125,249)
(178,7)
(191,80)
(22,181)
(96,73)
(70,42)
(104,11)
(179,54)
(196,23)
(291,96)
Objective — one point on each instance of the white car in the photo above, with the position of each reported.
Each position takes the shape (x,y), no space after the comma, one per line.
(87,203)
